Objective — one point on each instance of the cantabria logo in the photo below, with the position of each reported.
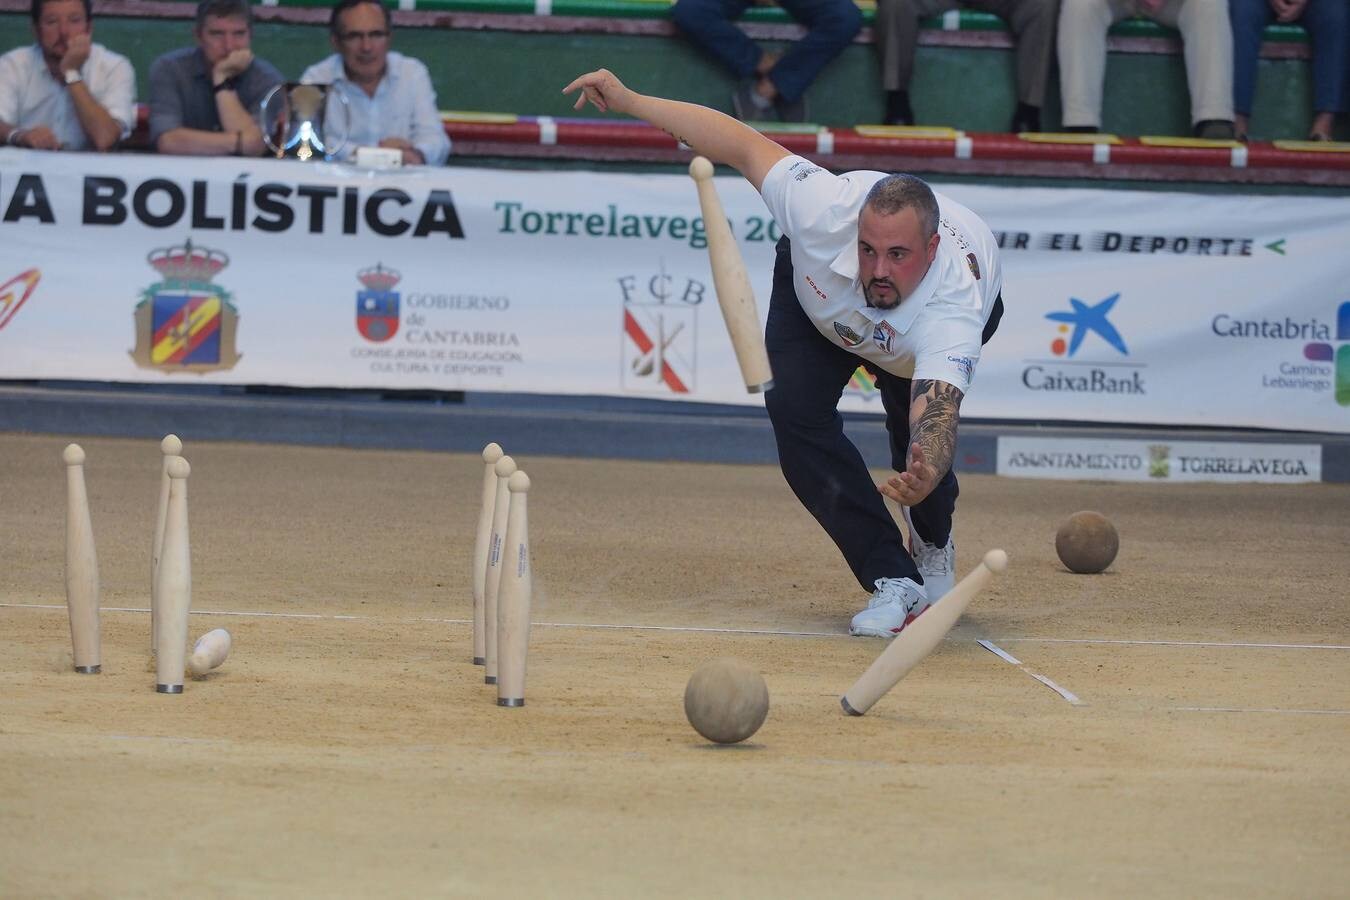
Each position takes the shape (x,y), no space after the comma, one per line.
(1324,348)
(1338,354)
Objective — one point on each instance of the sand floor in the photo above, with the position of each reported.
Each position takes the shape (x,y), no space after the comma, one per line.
(348,746)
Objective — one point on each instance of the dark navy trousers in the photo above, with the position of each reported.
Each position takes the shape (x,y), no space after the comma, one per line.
(821,465)
(830,27)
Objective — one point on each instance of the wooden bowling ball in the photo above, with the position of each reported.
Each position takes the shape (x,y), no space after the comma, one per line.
(726,700)
(1087,542)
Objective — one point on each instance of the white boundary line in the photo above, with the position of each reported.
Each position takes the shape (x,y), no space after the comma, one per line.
(333,616)
(1245,709)
(1041,640)
(690,628)
(1009,658)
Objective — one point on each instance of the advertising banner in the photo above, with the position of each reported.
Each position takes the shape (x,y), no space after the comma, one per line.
(1122,306)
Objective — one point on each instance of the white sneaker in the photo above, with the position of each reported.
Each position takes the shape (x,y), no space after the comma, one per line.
(894,604)
(937,565)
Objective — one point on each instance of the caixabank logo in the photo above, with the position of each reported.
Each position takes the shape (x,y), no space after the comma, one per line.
(1322,363)
(1104,366)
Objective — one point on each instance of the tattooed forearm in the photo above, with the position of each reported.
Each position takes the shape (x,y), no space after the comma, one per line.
(933,411)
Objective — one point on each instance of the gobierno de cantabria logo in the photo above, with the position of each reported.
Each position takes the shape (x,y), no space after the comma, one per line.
(186,322)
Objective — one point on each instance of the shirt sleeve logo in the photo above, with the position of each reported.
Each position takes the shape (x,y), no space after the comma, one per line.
(803,170)
(965,364)
(974,265)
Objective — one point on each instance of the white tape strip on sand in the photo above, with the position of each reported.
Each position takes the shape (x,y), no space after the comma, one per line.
(1009,658)
(999,652)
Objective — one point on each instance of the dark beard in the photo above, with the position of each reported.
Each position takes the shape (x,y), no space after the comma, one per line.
(894,299)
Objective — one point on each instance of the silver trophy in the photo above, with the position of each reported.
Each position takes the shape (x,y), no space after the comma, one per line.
(305,121)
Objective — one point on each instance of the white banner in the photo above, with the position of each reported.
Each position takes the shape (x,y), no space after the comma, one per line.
(1087,459)
(1122,306)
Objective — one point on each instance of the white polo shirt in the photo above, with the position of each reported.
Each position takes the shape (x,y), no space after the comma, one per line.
(932,334)
(30,96)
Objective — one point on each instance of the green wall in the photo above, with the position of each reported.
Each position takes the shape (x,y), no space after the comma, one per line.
(499,71)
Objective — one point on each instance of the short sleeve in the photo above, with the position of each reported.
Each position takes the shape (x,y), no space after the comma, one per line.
(10,88)
(428,131)
(117,94)
(797,192)
(949,349)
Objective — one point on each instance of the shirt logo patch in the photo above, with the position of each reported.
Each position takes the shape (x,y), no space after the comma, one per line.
(850,337)
(974,265)
(884,335)
(803,170)
(819,293)
(965,364)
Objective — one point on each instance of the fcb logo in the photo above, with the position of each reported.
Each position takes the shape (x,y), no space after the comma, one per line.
(377,305)
(659,346)
(186,322)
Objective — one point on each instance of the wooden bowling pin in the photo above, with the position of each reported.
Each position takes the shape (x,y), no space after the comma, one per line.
(514,594)
(504,467)
(907,649)
(81,567)
(170,447)
(209,651)
(491,453)
(175,585)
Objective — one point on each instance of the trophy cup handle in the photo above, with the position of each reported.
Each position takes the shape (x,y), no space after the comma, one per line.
(265,128)
(345,133)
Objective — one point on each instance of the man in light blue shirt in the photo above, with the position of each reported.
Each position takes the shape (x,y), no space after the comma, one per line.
(390,100)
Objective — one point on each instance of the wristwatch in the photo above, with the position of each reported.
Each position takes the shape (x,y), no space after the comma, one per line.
(73,76)
(229,84)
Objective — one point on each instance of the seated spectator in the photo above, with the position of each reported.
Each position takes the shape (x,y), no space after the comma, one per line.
(1032,23)
(204,100)
(65,92)
(1207,45)
(772,86)
(390,100)
(1328,25)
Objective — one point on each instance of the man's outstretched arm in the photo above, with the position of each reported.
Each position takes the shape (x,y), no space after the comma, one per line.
(713,134)
(934,408)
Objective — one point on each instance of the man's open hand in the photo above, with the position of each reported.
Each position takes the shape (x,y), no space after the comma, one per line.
(911,486)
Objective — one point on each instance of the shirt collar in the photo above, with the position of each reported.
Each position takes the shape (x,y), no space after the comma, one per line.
(903,316)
